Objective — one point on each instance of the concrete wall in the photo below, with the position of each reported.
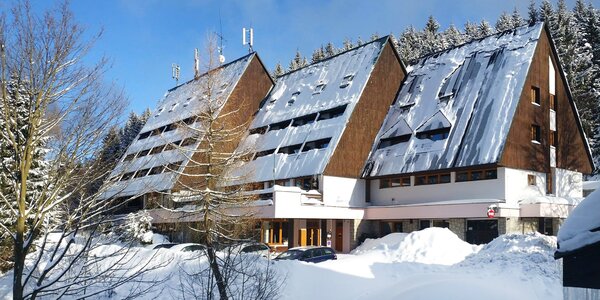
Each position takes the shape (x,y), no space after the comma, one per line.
(568,183)
(345,192)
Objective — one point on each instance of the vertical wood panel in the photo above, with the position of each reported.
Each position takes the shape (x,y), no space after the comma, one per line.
(357,139)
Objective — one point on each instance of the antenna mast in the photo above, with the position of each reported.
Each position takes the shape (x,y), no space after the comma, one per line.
(175,69)
(220,35)
(248,38)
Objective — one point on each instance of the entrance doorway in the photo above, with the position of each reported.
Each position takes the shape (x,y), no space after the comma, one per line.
(481,231)
(339,235)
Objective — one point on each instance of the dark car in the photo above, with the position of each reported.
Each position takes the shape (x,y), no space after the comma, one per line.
(308,254)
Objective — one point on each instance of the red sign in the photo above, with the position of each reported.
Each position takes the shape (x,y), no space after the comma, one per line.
(491,213)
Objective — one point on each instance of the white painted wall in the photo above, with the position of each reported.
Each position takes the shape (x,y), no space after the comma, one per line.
(483,189)
(568,184)
(518,188)
(345,192)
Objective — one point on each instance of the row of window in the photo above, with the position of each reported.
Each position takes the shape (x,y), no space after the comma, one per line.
(434,135)
(168,127)
(151,171)
(294,149)
(461,176)
(169,146)
(305,183)
(536,98)
(302,120)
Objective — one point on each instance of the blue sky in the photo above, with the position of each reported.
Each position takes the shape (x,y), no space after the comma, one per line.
(144,37)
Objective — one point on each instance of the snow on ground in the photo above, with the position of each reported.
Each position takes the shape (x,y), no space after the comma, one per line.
(429,264)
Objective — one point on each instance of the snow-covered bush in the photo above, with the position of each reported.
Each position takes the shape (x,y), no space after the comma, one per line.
(138,227)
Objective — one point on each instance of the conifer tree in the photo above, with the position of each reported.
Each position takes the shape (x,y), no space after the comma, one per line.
(278,71)
(330,50)
(318,55)
(533,13)
(505,22)
(374,36)
(485,29)
(517,20)
(453,36)
(347,45)
(471,31)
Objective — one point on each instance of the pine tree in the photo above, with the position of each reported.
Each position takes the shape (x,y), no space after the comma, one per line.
(318,55)
(132,128)
(278,71)
(517,20)
(471,31)
(505,22)
(359,41)
(347,45)
(410,45)
(296,62)
(374,36)
(432,25)
(533,13)
(485,29)
(330,50)
(453,36)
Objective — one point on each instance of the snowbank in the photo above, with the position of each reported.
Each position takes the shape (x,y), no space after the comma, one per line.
(577,231)
(428,246)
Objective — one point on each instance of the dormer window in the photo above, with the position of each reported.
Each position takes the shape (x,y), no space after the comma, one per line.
(434,135)
(279,125)
(332,113)
(405,108)
(293,149)
(347,80)
(387,142)
(308,119)
(445,98)
(173,107)
(318,144)
(159,111)
(319,88)
(187,101)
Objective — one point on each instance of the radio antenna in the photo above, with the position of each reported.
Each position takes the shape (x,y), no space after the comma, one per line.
(248,38)
(175,69)
(220,35)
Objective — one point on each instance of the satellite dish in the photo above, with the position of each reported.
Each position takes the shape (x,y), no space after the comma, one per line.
(221,58)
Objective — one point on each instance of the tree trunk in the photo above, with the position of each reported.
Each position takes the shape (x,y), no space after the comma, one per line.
(214,266)
(18,269)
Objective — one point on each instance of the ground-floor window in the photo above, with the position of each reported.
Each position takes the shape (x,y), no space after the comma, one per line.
(275,232)
(545,226)
(481,231)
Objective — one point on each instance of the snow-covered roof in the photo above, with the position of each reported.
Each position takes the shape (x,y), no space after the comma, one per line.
(582,227)
(591,185)
(311,104)
(178,104)
(466,97)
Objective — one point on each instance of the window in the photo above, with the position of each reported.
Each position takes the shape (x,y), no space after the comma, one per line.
(394,182)
(170,127)
(129,157)
(318,144)
(264,153)
(171,146)
(319,88)
(308,119)
(141,173)
(347,80)
(441,223)
(475,175)
(143,152)
(157,149)
(549,186)
(553,102)
(306,183)
(420,180)
(279,125)
(188,142)
(127,176)
(432,179)
(173,167)
(189,121)
(536,133)
(145,135)
(258,130)
(553,138)
(293,149)
(531,180)
(157,131)
(332,113)
(445,178)
(387,142)
(535,95)
(173,107)
(434,135)
(405,108)
(424,224)
(156,170)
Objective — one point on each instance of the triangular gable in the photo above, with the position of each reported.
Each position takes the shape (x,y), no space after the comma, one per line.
(399,129)
(437,121)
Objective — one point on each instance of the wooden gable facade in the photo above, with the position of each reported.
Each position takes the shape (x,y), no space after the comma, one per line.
(235,116)
(522,150)
(366,119)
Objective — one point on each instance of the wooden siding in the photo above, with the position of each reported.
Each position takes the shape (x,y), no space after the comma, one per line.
(239,109)
(358,137)
(519,151)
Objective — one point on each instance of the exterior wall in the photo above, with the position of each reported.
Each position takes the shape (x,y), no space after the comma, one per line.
(239,109)
(357,139)
(568,183)
(518,188)
(345,192)
(483,189)
(571,151)
(458,227)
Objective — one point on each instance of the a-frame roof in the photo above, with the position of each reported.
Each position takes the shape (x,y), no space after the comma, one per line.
(332,86)
(476,88)
(179,103)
